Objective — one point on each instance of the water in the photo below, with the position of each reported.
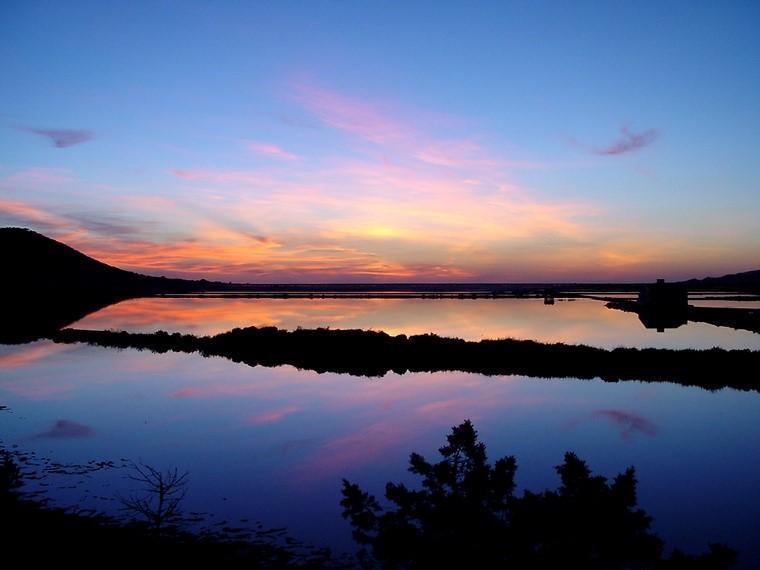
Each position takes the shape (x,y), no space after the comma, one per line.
(581,321)
(725,304)
(272,444)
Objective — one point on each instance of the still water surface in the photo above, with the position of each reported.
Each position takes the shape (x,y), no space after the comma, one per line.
(272,444)
(581,321)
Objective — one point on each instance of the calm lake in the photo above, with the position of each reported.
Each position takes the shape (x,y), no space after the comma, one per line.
(581,321)
(272,444)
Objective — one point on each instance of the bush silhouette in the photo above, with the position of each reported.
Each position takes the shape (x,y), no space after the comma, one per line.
(467,514)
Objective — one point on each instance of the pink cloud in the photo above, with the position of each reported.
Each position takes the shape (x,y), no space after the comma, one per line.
(399,132)
(189,393)
(270,150)
(358,448)
(455,154)
(222,176)
(17,212)
(272,416)
(39,175)
(27,355)
(349,114)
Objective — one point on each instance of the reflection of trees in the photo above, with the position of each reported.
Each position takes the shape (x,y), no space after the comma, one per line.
(10,475)
(374,353)
(163,493)
(93,539)
(467,515)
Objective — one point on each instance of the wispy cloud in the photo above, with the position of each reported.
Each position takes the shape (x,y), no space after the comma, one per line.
(27,355)
(397,195)
(412,203)
(270,150)
(62,138)
(271,416)
(347,113)
(628,141)
(385,125)
(222,176)
(38,176)
(13,212)
(103,223)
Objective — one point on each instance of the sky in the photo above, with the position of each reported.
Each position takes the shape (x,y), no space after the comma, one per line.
(358,141)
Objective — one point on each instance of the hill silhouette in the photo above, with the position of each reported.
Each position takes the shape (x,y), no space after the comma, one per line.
(34,264)
(47,285)
(745,281)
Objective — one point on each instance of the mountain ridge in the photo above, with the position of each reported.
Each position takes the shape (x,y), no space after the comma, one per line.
(751,277)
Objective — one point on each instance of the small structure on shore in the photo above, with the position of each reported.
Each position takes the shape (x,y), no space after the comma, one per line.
(663,295)
(663,305)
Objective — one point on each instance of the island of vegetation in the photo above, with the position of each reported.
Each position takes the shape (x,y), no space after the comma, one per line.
(374,353)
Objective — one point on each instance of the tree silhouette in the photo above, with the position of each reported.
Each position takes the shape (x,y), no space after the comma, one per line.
(467,515)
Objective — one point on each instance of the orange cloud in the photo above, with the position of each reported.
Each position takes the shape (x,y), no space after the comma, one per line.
(20,212)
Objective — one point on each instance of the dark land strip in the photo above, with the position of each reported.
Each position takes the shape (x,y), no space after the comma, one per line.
(371,353)
(731,317)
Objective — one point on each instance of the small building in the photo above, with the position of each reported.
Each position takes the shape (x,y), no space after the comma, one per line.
(664,296)
(663,305)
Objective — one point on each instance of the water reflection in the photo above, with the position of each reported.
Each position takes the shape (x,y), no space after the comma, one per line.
(271,444)
(66,429)
(580,321)
(725,304)
(629,423)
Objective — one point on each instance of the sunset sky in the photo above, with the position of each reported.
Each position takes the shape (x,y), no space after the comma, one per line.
(387,141)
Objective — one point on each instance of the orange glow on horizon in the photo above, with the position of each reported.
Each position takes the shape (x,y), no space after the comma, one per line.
(402,203)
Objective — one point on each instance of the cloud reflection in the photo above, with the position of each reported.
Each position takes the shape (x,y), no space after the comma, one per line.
(66,429)
(271,416)
(629,423)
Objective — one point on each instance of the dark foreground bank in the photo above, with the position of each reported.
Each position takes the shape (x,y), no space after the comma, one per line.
(31,530)
(465,514)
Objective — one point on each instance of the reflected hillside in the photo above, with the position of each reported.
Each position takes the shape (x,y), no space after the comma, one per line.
(28,317)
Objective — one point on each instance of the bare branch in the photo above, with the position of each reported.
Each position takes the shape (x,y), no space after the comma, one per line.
(164,490)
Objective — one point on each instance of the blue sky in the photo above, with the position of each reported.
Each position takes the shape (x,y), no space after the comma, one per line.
(387,141)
